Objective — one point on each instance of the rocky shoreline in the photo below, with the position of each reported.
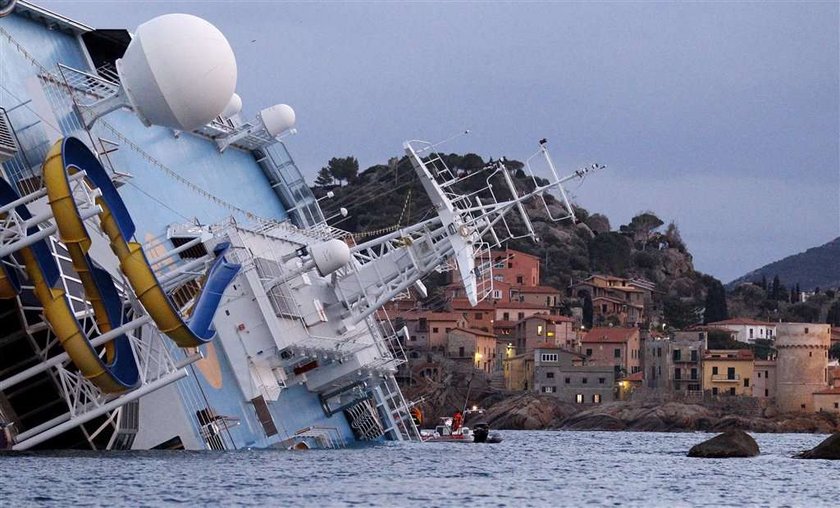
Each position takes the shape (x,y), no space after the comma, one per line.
(529,411)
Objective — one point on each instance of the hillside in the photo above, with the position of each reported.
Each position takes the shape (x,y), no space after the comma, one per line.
(818,267)
(385,196)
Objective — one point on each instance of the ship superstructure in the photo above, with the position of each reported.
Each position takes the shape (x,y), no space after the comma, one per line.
(168,279)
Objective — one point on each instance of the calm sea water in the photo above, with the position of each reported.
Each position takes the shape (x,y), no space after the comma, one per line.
(527,469)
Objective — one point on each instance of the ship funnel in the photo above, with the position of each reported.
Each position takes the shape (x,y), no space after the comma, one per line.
(179,71)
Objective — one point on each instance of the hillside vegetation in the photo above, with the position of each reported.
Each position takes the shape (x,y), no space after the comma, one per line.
(386,196)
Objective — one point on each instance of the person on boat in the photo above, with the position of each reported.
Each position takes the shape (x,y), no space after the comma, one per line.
(457,420)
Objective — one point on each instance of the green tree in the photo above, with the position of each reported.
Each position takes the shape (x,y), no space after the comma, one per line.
(641,227)
(324,178)
(343,168)
(471,162)
(833,317)
(610,253)
(588,311)
(834,352)
(715,302)
(679,314)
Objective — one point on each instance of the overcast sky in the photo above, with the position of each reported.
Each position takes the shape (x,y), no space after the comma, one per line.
(722,116)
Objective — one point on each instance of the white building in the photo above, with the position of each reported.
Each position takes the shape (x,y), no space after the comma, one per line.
(747,330)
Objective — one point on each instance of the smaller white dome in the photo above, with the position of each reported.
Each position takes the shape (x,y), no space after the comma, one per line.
(278,118)
(329,256)
(233,107)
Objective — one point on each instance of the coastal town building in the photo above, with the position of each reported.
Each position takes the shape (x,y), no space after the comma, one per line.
(615,347)
(747,330)
(542,328)
(623,300)
(827,400)
(764,380)
(728,371)
(427,330)
(564,374)
(674,365)
(801,364)
(470,344)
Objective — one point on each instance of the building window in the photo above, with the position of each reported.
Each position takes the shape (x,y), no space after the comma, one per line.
(548,389)
(677,373)
(461,351)
(539,329)
(579,398)
(714,371)
(806,329)
(714,391)
(751,333)
(694,374)
(746,382)
(732,391)
(677,353)
(659,352)
(549,375)
(693,355)
(766,392)
(588,352)
(506,316)
(730,373)
(759,375)
(596,398)
(519,279)
(434,330)
(568,380)
(617,353)
(837,405)
(583,380)
(520,315)
(602,380)
(497,294)
(549,357)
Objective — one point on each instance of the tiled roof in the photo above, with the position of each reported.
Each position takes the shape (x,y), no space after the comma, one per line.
(741,321)
(536,289)
(723,354)
(612,334)
(636,376)
(429,315)
(829,391)
(475,331)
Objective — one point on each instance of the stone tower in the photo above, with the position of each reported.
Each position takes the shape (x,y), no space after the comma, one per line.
(801,365)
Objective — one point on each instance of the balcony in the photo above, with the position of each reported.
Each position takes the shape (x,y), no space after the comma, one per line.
(722,378)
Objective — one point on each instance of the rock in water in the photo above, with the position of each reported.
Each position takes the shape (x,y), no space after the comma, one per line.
(828,449)
(732,443)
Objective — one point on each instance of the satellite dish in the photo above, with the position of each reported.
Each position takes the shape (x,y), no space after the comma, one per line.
(233,107)
(178,71)
(278,118)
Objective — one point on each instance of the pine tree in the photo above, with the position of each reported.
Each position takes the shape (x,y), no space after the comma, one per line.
(764,282)
(324,178)
(716,309)
(588,312)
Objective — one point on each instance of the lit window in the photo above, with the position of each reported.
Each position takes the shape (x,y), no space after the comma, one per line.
(579,398)
(596,398)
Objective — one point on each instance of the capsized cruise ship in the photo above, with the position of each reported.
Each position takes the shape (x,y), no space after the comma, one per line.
(168,280)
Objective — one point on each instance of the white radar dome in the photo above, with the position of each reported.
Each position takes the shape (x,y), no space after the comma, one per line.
(278,118)
(178,71)
(329,256)
(233,107)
